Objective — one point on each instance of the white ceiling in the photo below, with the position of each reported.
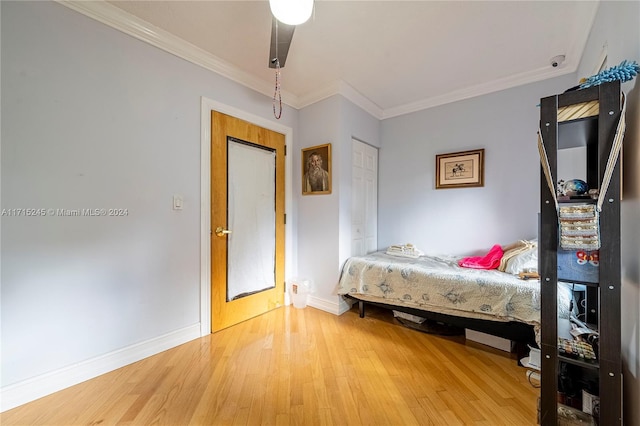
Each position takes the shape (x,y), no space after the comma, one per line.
(390,57)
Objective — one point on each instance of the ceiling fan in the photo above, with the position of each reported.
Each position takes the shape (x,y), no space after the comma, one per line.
(286,15)
(281,36)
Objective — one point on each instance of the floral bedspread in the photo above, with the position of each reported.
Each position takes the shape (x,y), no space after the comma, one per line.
(438,284)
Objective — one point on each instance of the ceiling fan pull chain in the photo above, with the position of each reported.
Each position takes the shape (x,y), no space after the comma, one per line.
(277,95)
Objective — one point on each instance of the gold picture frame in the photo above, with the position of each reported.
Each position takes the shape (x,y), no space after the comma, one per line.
(318,160)
(463,169)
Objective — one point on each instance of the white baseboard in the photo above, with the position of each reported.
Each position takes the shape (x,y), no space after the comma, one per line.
(337,307)
(36,387)
(345,305)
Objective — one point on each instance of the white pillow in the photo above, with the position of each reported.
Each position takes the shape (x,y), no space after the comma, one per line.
(523,262)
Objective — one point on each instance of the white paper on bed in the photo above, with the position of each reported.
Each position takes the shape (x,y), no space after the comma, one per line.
(438,284)
(406,250)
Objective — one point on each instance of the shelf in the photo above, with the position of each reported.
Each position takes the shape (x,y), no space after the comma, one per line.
(564,331)
(586,200)
(577,96)
(585,283)
(595,365)
(571,416)
(577,129)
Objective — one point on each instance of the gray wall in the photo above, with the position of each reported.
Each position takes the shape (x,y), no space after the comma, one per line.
(92,118)
(318,214)
(617,30)
(324,221)
(464,220)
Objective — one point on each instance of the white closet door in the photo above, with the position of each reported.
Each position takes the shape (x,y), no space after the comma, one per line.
(364,199)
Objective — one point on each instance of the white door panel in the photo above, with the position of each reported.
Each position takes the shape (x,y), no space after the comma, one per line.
(364,201)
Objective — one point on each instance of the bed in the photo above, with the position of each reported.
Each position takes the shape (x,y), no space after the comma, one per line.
(436,288)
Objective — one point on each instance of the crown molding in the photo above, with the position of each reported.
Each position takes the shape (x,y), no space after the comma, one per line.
(573,58)
(319,94)
(480,89)
(360,100)
(347,91)
(118,19)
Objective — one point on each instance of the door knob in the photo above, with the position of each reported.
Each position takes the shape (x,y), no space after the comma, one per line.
(220,231)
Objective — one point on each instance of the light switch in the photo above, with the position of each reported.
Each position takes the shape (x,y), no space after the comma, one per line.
(177,202)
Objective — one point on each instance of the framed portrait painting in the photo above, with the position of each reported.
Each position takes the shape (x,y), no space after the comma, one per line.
(316,170)
(460,169)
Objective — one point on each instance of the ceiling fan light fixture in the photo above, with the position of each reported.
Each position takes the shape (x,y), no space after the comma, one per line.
(291,12)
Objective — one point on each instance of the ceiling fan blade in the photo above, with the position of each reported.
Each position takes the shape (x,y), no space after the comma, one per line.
(284,35)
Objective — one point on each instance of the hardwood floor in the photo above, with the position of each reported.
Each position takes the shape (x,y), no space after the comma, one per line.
(307,367)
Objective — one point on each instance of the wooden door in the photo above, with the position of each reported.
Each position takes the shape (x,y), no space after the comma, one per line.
(247,220)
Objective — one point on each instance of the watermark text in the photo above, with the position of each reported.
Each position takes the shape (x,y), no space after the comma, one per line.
(58,212)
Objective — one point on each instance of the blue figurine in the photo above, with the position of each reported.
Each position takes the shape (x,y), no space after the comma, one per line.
(573,187)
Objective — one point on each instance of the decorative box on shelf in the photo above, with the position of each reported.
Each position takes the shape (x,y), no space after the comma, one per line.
(579,265)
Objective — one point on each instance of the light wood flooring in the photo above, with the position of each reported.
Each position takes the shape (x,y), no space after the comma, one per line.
(303,367)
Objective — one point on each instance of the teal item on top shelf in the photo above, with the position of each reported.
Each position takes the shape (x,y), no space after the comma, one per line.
(626,71)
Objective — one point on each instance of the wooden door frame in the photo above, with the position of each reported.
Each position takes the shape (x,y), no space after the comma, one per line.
(206,106)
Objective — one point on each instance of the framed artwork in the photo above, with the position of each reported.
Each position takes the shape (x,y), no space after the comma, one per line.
(316,170)
(460,169)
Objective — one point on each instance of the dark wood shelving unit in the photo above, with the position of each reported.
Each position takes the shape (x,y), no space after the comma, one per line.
(596,132)
(579,363)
